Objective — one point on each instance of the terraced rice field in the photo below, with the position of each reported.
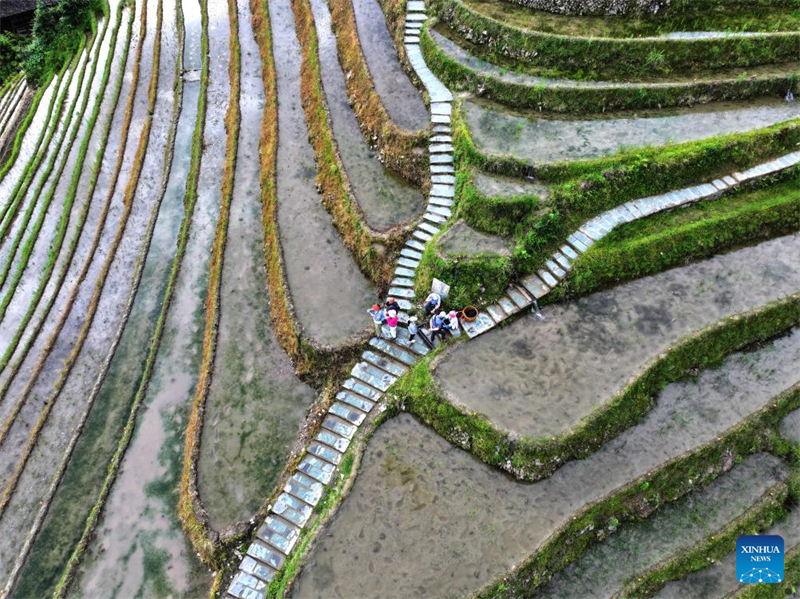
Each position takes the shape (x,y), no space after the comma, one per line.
(202,201)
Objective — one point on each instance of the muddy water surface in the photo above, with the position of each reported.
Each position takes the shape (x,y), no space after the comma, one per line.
(402,100)
(255,401)
(384,198)
(329,293)
(426,519)
(539,378)
(542,140)
(498,186)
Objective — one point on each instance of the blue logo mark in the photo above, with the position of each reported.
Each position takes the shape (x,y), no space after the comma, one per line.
(759,558)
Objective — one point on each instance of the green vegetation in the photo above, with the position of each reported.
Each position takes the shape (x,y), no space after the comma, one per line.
(11,46)
(597,58)
(674,238)
(736,84)
(58,31)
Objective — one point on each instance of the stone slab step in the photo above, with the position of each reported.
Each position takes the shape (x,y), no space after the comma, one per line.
(480,325)
(508,306)
(348,413)
(360,388)
(441,159)
(415,245)
(401,292)
(434,218)
(385,364)
(403,272)
(339,427)
(247,586)
(569,252)
(409,253)
(338,442)
(317,468)
(446,179)
(417,17)
(436,201)
(429,229)
(443,139)
(304,488)
(262,561)
(279,534)
(397,352)
(562,261)
(442,169)
(402,282)
(441,211)
(440,148)
(535,286)
(547,278)
(408,263)
(418,347)
(355,401)
(519,297)
(444,191)
(441,128)
(440,118)
(441,108)
(296,511)
(423,235)
(555,269)
(496,312)
(404,305)
(409,39)
(372,376)
(324,453)
(415,24)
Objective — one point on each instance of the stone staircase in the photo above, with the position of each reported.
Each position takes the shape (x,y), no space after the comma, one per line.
(537,285)
(379,367)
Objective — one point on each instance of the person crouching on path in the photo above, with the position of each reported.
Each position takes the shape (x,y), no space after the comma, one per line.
(392,319)
(432,303)
(437,326)
(378,316)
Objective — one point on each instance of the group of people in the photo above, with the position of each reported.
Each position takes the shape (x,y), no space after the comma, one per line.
(440,321)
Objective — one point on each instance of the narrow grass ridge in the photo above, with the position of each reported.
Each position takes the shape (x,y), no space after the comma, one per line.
(193,514)
(23,326)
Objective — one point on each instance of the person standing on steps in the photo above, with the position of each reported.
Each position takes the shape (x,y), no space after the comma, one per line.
(391,304)
(412,329)
(378,316)
(432,303)
(437,326)
(392,319)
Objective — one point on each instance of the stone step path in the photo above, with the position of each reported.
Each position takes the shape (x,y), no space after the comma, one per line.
(380,365)
(539,284)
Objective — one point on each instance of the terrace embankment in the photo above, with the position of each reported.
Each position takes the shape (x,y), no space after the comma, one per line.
(385,200)
(255,401)
(542,378)
(329,294)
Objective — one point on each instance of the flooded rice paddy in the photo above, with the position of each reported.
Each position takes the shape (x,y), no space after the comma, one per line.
(329,293)
(385,199)
(492,186)
(255,402)
(541,378)
(539,140)
(426,519)
(402,100)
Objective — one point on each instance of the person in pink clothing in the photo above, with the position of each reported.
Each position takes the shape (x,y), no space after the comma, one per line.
(392,319)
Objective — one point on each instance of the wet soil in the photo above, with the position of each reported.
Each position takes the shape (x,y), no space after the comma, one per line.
(544,140)
(462,240)
(498,186)
(385,199)
(330,295)
(402,100)
(540,378)
(255,402)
